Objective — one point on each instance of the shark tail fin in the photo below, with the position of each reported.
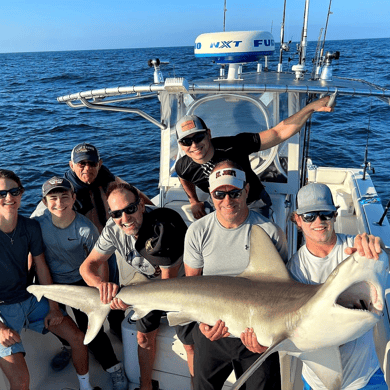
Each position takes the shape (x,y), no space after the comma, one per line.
(86,299)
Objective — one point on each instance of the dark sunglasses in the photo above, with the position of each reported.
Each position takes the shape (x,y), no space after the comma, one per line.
(312,216)
(83,164)
(196,139)
(13,191)
(130,209)
(220,195)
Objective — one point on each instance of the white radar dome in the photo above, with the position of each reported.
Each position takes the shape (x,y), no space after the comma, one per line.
(231,47)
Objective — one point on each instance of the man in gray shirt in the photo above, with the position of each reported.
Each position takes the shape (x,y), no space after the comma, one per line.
(219,244)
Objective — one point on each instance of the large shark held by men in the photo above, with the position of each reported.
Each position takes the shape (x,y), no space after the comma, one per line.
(307,321)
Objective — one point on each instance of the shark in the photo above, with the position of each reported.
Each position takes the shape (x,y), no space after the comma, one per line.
(309,322)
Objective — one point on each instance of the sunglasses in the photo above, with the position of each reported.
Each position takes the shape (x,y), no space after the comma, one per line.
(312,216)
(130,209)
(220,195)
(13,191)
(196,139)
(83,164)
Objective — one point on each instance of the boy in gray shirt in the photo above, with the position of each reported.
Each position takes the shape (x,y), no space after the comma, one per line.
(68,238)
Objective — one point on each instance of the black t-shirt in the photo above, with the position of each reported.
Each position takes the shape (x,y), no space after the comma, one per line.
(13,259)
(237,149)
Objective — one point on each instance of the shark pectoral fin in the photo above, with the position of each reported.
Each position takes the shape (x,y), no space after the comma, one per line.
(326,364)
(178,318)
(282,345)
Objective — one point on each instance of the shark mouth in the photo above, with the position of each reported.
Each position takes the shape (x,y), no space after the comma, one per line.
(361,296)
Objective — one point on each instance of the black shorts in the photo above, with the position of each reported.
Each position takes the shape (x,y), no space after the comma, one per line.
(152,320)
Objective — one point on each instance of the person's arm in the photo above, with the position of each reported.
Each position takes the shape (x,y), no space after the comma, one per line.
(94,271)
(290,126)
(197,207)
(55,316)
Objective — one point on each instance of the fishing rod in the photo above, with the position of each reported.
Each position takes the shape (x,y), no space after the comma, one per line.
(316,60)
(367,164)
(299,69)
(326,29)
(280,65)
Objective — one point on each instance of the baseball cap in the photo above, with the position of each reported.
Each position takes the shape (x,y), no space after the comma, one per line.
(161,237)
(85,152)
(55,183)
(315,197)
(227,176)
(189,124)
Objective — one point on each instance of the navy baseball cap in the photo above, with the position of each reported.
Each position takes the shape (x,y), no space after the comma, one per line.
(83,152)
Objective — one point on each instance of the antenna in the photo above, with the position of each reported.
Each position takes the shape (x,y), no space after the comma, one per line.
(224,15)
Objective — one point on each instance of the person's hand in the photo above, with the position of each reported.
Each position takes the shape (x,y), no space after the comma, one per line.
(366,245)
(9,336)
(218,331)
(320,105)
(249,339)
(53,318)
(198,210)
(118,304)
(107,291)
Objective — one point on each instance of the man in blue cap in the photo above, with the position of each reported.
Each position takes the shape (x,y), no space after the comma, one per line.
(323,250)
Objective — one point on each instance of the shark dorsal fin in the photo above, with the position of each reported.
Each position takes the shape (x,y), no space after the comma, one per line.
(264,259)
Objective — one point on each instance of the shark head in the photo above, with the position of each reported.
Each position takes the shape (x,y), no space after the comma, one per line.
(352,298)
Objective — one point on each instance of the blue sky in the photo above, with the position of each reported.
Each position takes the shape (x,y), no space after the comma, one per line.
(47,25)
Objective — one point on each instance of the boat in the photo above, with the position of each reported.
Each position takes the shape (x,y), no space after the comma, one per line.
(230,101)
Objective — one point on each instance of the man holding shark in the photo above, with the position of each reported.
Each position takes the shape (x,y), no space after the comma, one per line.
(312,264)
(150,242)
(219,244)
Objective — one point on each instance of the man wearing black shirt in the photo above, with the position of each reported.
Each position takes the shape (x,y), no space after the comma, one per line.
(203,152)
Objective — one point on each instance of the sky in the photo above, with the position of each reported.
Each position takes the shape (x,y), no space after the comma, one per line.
(50,25)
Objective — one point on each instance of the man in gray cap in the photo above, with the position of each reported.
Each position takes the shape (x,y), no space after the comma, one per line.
(203,153)
(324,249)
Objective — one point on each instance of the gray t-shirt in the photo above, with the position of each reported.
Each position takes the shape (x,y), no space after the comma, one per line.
(113,238)
(358,357)
(66,249)
(221,251)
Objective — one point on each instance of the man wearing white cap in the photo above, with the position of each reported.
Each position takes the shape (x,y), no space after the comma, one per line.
(203,152)
(324,249)
(219,244)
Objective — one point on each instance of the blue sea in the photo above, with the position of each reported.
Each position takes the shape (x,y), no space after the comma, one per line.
(38,133)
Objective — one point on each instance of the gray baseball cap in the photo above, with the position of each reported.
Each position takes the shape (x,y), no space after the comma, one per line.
(315,197)
(189,124)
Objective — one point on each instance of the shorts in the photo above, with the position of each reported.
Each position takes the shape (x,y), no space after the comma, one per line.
(376,382)
(152,320)
(28,314)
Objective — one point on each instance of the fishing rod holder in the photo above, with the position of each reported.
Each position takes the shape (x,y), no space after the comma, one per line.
(327,70)
(158,77)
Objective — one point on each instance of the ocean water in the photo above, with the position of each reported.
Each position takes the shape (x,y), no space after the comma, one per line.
(38,133)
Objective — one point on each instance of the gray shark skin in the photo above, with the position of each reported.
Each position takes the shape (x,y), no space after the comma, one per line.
(307,321)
